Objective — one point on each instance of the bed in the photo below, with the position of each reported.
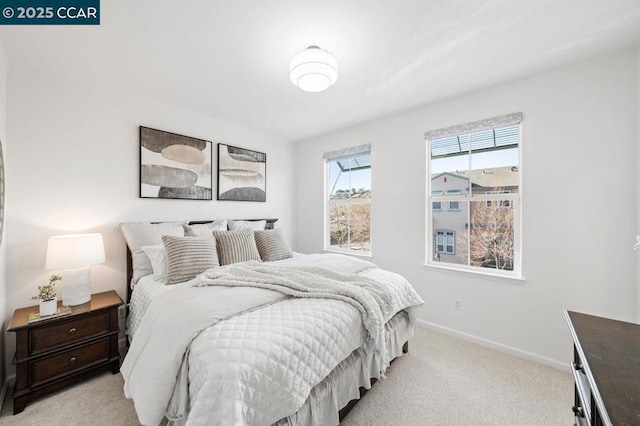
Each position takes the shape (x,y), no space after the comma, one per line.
(274,360)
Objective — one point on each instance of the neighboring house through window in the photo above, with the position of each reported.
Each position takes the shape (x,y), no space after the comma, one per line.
(505,204)
(475,169)
(348,200)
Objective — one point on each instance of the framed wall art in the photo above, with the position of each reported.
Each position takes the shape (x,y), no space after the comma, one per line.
(242,174)
(174,166)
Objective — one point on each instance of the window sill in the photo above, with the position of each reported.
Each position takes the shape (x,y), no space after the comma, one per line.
(514,279)
(350,253)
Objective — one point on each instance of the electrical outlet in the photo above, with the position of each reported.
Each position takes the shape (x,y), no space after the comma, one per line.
(122,312)
(457,305)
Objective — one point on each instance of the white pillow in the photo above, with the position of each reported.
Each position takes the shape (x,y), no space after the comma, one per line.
(205,229)
(256,225)
(158,257)
(143,234)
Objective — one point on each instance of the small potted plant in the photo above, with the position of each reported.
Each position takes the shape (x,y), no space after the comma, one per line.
(47,296)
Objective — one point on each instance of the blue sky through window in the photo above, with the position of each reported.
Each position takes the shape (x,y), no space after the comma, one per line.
(346,180)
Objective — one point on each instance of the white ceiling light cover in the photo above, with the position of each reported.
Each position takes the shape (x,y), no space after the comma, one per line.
(313,69)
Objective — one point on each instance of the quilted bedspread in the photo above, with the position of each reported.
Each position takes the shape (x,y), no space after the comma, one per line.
(259,366)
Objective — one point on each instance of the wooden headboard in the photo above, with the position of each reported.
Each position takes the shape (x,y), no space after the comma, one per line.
(270,225)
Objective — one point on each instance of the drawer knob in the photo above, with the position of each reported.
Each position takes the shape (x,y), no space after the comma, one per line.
(73,360)
(72,330)
(578,366)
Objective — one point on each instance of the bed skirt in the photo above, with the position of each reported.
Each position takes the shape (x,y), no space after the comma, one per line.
(344,382)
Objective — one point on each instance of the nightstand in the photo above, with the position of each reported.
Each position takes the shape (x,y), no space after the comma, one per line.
(55,353)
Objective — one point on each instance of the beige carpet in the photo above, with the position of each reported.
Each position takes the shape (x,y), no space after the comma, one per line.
(441,381)
(448,381)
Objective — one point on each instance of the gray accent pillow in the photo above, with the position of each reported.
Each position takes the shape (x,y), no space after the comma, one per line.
(272,245)
(140,234)
(236,246)
(189,256)
(205,229)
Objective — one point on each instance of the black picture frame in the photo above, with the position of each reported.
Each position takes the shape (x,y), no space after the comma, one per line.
(174,166)
(238,181)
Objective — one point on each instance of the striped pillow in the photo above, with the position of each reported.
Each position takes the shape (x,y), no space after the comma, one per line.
(272,245)
(189,256)
(236,246)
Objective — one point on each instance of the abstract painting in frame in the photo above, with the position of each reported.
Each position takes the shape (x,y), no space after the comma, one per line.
(242,174)
(174,166)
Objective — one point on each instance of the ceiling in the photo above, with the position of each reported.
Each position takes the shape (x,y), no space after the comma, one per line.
(230,59)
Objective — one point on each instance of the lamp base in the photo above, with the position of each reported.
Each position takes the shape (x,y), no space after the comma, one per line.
(76,286)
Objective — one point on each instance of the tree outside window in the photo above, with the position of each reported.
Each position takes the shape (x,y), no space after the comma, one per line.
(349,204)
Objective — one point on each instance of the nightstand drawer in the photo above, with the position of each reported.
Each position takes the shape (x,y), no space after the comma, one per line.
(45,338)
(66,362)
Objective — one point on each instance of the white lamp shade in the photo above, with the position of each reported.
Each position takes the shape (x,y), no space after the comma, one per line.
(313,69)
(74,251)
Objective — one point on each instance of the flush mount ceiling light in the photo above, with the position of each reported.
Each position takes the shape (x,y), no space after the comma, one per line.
(313,69)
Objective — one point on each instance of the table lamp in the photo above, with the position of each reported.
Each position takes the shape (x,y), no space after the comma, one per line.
(75,254)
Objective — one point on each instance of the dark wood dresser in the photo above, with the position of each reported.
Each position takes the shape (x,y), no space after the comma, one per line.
(55,353)
(606,370)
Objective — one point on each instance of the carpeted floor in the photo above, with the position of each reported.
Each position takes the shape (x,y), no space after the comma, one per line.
(441,381)
(448,381)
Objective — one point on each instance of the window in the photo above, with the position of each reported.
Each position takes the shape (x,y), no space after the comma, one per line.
(445,241)
(454,206)
(348,201)
(475,169)
(437,205)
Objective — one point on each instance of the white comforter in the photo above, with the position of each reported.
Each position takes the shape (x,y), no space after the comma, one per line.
(250,369)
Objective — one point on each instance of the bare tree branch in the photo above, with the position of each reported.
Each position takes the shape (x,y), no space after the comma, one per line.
(492,234)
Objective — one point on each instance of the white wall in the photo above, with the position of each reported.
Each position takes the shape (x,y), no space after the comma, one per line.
(3,245)
(579,141)
(74,165)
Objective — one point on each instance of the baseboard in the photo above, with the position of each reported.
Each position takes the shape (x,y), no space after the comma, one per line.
(495,345)
(3,391)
